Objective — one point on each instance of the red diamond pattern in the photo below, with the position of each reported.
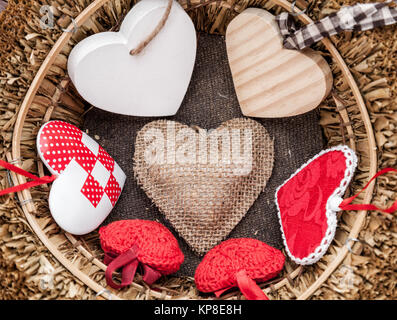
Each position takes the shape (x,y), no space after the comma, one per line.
(113,190)
(92,190)
(105,159)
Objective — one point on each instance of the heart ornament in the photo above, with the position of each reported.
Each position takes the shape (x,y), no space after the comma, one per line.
(152,83)
(203,181)
(242,263)
(309,200)
(271,81)
(89,181)
(129,244)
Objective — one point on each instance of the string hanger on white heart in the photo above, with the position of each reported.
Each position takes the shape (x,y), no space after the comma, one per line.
(358,17)
(155,32)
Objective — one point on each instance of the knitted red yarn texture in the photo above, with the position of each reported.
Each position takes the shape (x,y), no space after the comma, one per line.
(157,247)
(220,265)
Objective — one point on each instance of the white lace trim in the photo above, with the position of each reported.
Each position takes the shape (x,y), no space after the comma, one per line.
(351,164)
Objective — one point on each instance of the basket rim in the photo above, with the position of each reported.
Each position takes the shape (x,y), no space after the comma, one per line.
(26,200)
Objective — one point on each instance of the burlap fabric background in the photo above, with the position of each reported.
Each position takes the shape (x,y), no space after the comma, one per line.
(209,101)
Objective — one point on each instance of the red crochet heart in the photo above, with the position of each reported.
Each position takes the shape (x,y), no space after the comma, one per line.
(127,243)
(308,201)
(239,262)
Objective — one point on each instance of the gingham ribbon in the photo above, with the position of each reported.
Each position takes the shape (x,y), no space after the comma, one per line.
(359,17)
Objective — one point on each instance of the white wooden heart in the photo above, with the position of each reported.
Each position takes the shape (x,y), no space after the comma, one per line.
(271,81)
(152,83)
(89,181)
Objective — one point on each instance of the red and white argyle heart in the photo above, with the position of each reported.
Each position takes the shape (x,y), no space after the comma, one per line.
(94,180)
(308,201)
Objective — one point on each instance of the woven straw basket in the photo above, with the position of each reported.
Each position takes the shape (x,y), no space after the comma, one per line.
(42,91)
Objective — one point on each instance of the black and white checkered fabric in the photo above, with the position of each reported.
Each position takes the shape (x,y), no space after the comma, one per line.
(359,17)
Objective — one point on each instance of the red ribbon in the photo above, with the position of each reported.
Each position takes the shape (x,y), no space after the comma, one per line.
(129,263)
(247,286)
(346,204)
(35,180)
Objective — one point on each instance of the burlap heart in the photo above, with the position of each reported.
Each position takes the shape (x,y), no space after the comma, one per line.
(203,181)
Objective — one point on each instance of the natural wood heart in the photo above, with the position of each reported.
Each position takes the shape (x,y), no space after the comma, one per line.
(271,81)
(203,182)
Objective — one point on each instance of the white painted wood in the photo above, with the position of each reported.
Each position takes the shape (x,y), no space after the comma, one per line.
(152,83)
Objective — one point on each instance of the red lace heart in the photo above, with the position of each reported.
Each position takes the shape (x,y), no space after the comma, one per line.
(308,201)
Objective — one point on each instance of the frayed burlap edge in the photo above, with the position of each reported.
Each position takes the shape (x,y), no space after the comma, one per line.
(27,266)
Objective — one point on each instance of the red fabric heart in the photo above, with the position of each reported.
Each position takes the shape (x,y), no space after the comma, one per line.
(239,262)
(308,202)
(127,243)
